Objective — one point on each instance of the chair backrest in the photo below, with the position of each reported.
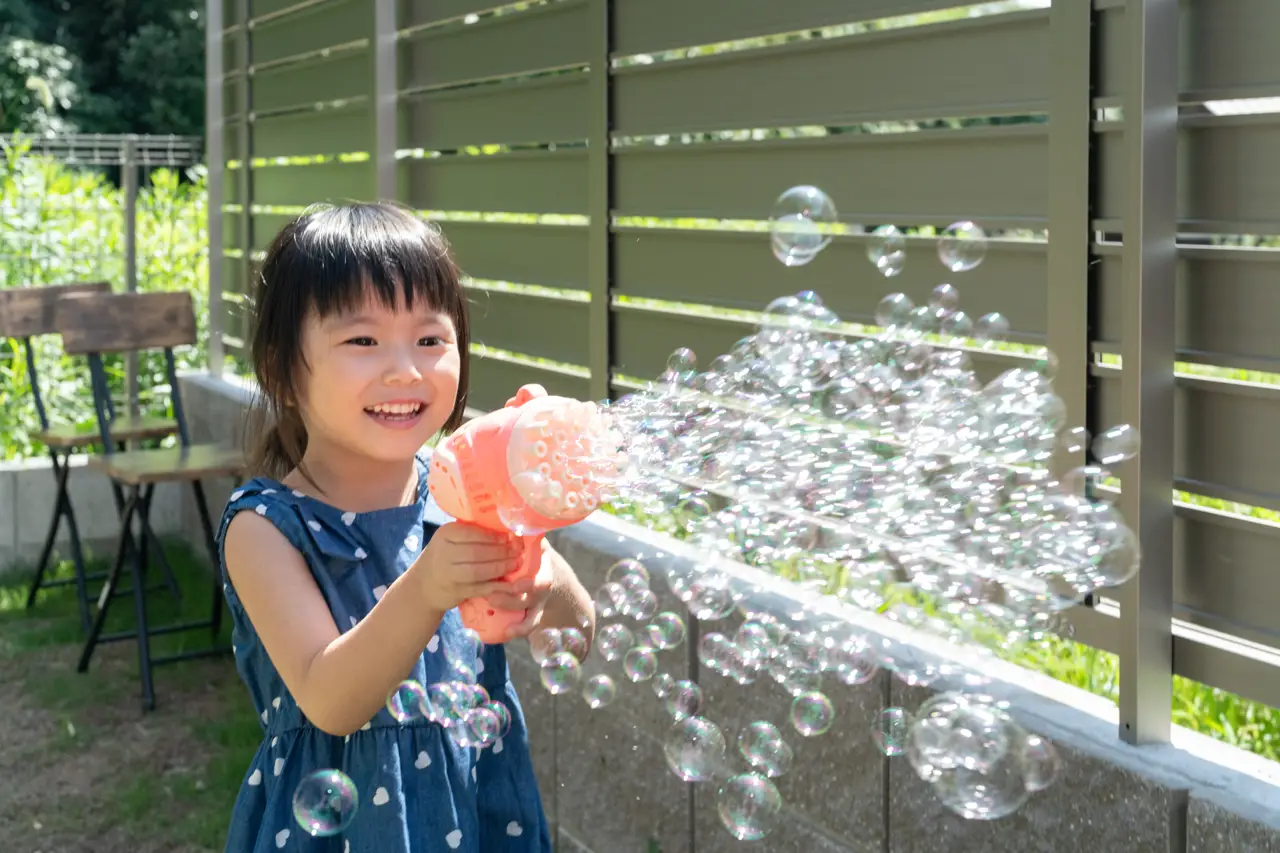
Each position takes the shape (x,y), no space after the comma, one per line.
(125,322)
(96,323)
(27,312)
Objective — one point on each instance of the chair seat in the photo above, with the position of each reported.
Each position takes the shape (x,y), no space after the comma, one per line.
(169,464)
(123,428)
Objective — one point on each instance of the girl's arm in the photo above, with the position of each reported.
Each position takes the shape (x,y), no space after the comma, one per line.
(568,604)
(338,680)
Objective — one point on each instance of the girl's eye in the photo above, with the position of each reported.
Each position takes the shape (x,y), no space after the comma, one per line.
(431,341)
(361,342)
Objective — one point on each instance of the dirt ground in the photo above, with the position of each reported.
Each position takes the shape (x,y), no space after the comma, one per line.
(84,770)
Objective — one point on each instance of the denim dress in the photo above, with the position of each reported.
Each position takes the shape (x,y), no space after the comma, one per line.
(418,790)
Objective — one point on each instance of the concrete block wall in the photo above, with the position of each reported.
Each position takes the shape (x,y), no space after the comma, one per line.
(607,787)
(27,492)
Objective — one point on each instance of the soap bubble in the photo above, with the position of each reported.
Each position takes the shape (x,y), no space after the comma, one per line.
(749,806)
(812,714)
(1115,445)
(991,328)
(446,703)
(695,749)
(894,311)
(887,250)
(799,225)
(663,683)
(1040,763)
(683,699)
(609,597)
(504,716)
(890,731)
(764,748)
(667,631)
(599,691)
(545,643)
(944,298)
(573,642)
(407,702)
(325,803)
(962,246)
(682,360)
(641,606)
(640,664)
(614,640)
(1074,439)
(628,573)
(560,672)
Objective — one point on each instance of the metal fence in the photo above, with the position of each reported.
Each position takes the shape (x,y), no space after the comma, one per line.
(565,147)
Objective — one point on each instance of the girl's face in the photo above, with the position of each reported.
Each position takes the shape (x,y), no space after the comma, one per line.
(378,382)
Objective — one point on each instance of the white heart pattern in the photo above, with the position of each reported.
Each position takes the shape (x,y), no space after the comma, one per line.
(381,797)
(264,715)
(348,518)
(479,665)
(354,621)
(274,741)
(255,778)
(346,847)
(514,829)
(360,554)
(379,591)
(235,496)
(423,761)
(367,726)
(411,541)
(282,837)
(434,645)
(314,525)
(275,703)
(454,839)
(279,766)
(297,493)
(260,509)
(268,491)
(497,746)
(473,773)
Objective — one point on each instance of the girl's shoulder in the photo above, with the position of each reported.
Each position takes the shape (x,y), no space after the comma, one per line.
(311,526)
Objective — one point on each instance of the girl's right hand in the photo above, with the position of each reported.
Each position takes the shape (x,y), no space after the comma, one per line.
(464,561)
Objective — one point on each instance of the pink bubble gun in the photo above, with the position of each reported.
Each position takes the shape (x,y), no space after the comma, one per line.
(539,464)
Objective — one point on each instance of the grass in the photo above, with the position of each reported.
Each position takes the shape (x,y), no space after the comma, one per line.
(201,738)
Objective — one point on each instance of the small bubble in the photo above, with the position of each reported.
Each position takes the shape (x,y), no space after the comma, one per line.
(695,749)
(407,702)
(599,691)
(325,803)
(614,641)
(887,250)
(666,631)
(1117,444)
(962,246)
(560,673)
(683,699)
(799,224)
(762,745)
(640,664)
(749,806)
(812,713)
(890,732)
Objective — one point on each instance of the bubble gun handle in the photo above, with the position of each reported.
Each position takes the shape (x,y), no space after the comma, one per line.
(524,469)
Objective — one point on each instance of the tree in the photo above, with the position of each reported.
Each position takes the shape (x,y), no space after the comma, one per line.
(113,66)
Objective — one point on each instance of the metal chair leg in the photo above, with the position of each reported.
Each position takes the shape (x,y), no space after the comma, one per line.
(62,508)
(109,587)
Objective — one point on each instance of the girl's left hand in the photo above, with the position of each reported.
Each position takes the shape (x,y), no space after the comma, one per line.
(531,595)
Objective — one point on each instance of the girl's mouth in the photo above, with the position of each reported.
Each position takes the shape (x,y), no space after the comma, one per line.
(399,415)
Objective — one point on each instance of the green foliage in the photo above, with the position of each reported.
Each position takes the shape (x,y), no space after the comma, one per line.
(59,225)
(109,66)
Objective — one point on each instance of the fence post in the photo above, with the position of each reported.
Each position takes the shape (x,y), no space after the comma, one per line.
(216,161)
(386,106)
(1147,353)
(129,193)
(244,12)
(600,202)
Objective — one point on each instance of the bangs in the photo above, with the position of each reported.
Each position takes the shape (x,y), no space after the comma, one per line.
(339,258)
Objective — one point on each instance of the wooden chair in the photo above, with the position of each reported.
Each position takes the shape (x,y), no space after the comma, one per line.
(25,314)
(98,323)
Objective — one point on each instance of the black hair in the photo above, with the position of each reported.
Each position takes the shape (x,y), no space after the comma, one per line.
(328,261)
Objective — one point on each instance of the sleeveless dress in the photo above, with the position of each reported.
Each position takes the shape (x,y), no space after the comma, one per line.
(419,792)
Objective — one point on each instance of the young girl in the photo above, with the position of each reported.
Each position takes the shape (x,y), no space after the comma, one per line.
(340,585)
